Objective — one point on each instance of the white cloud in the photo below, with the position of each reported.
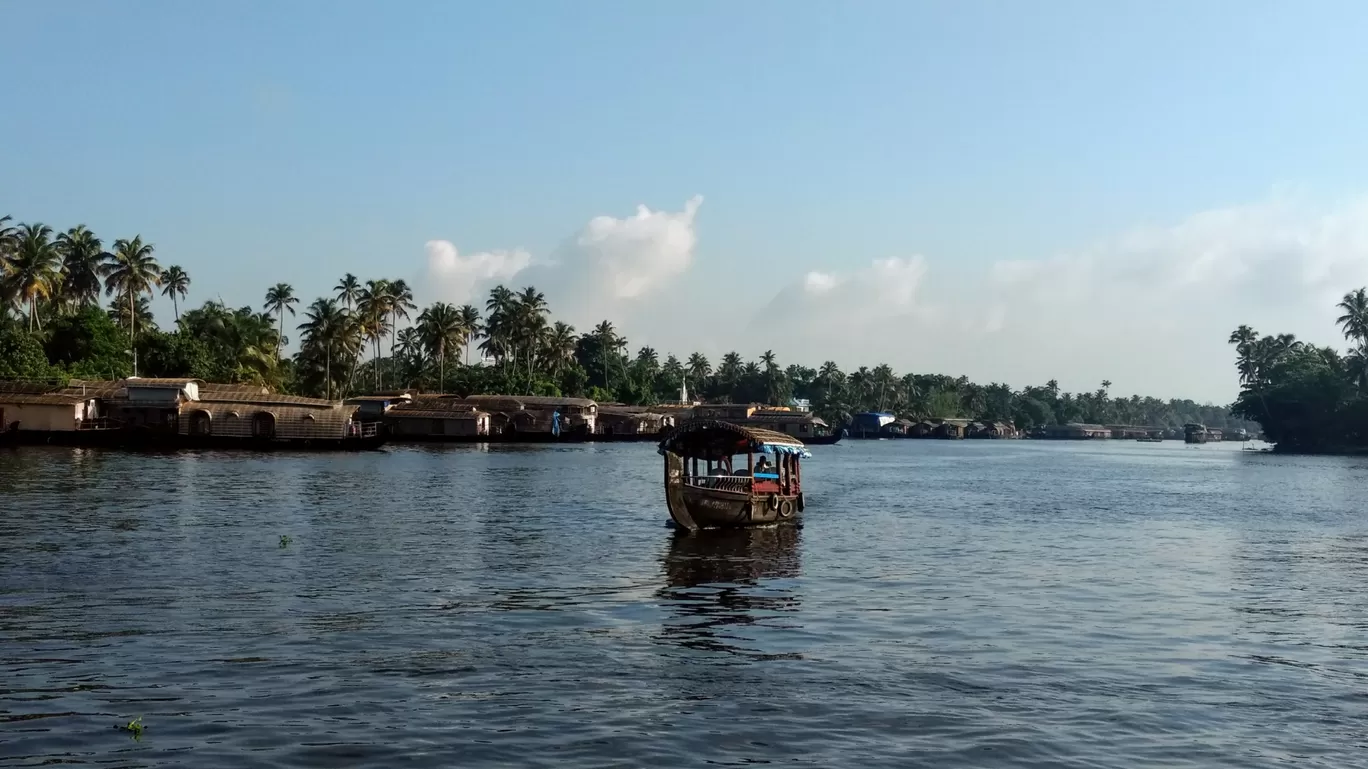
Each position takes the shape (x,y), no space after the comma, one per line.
(1149,309)
(634,256)
(452,277)
(612,268)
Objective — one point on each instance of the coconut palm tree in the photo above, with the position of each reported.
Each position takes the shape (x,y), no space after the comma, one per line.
(348,291)
(400,301)
(142,314)
(325,328)
(372,312)
(83,264)
(609,343)
(560,346)
(470,327)
(530,324)
(8,234)
(131,273)
(1354,321)
(440,327)
(279,299)
(33,270)
(175,283)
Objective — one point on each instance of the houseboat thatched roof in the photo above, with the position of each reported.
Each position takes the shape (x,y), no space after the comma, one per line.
(162,382)
(714,439)
(506,402)
(267,399)
(434,403)
(470,414)
(41,399)
(34,388)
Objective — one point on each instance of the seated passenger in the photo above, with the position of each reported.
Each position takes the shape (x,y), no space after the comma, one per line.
(763,466)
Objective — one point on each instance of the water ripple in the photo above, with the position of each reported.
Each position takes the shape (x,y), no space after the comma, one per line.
(948,604)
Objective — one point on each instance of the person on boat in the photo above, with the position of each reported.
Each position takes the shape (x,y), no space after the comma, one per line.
(763,465)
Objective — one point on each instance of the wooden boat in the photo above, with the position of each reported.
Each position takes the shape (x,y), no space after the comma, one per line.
(1149,440)
(706,488)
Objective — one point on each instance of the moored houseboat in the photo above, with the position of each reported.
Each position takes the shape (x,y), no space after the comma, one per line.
(484,418)
(807,427)
(618,422)
(186,413)
(707,487)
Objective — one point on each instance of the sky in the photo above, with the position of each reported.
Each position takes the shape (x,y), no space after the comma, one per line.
(1016,192)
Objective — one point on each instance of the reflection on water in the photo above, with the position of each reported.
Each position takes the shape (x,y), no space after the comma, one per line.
(720,583)
(970,604)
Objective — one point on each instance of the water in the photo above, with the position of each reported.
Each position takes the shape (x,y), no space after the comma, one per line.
(1007,604)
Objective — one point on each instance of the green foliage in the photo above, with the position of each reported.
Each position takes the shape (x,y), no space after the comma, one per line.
(89,345)
(21,354)
(1307,398)
(177,355)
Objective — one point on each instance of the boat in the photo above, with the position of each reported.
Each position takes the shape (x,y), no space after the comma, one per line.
(706,488)
(1149,440)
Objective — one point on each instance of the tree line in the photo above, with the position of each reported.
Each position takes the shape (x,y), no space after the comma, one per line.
(370,336)
(1307,397)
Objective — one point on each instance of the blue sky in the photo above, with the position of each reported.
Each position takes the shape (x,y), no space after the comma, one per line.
(259,142)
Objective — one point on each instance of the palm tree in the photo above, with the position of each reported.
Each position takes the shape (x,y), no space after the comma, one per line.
(400,299)
(698,369)
(83,264)
(530,324)
(8,234)
(470,326)
(325,328)
(132,272)
(1354,321)
(560,346)
(372,311)
(348,290)
(175,284)
(609,342)
(440,327)
(280,298)
(33,272)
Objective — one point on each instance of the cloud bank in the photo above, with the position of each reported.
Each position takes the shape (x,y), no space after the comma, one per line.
(1148,309)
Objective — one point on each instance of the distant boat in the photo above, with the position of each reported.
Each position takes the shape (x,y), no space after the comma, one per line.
(1149,440)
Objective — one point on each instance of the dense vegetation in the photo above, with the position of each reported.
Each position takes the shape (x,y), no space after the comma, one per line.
(1308,398)
(370,336)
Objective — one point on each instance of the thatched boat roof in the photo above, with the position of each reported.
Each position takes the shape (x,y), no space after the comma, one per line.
(265,399)
(714,439)
(525,401)
(41,399)
(162,382)
(470,414)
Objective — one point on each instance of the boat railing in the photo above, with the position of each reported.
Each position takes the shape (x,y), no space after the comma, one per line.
(369,429)
(740,484)
(100,423)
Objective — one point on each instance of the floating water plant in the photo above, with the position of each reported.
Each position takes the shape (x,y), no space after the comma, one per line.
(134,728)
(284,541)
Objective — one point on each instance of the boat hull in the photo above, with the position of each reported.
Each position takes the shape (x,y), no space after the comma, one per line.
(695,507)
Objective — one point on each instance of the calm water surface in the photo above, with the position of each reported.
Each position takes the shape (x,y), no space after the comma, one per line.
(947,604)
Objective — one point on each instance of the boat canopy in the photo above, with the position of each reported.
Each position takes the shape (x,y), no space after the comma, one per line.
(712,439)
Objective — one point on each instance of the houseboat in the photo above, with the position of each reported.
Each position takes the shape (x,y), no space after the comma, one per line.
(618,422)
(871,424)
(182,413)
(1196,433)
(706,486)
(808,428)
(482,418)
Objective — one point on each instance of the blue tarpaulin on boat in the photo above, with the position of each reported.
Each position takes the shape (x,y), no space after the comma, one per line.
(798,451)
